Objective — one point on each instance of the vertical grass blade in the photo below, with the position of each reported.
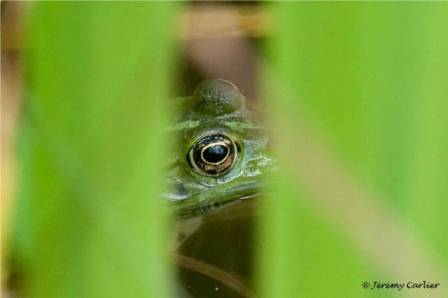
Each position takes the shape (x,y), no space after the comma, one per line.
(88,220)
(358,103)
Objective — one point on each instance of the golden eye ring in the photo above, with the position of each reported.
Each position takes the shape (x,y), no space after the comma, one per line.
(213,155)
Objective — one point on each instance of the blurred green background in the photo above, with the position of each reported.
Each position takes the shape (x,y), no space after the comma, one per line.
(360,112)
(355,96)
(91,151)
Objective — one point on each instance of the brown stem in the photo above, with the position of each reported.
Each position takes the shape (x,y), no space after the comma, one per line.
(232,281)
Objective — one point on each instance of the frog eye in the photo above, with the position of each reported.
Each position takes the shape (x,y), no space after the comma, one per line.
(213,155)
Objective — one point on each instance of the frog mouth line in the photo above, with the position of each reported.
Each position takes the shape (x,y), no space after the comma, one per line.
(212,201)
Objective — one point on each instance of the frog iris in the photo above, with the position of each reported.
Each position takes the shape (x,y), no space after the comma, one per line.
(213,154)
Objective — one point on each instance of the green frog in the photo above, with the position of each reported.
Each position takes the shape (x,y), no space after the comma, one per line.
(221,153)
(219,160)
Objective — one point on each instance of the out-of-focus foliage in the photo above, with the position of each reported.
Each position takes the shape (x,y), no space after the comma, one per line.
(372,77)
(357,94)
(88,221)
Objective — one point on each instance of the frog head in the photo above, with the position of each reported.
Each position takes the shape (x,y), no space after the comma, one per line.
(220,152)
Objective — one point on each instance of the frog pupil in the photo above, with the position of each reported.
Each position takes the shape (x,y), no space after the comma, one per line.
(215,154)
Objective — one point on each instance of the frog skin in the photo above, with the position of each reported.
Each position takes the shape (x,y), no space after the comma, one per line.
(221,152)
